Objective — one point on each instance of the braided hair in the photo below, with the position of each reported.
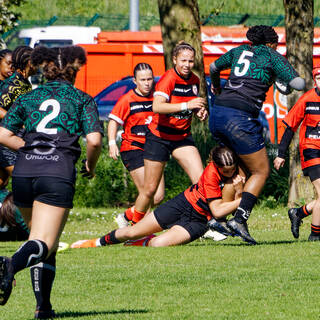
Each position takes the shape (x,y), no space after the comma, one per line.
(262,35)
(60,62)
(141,66)
(21,56)
(4,52)
(182,45)
(223,156)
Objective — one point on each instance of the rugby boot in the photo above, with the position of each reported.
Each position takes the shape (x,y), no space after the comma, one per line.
(121,221)
(214,225)
(91,243)
(241,229)
(44,314)
(6,279)
(313,237)
(296,221)
(143,242)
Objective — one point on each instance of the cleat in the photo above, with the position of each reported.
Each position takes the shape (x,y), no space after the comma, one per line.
(214,225)
(241,229)
(6,279)
(313,237)
(44,314)
(92,243)
(62,246)
(143,242)
(121,221)
(295,221)
(214,235)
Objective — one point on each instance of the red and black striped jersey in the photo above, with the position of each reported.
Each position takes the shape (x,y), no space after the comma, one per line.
(174,126)
(134,112)
(307,113)
(208,188)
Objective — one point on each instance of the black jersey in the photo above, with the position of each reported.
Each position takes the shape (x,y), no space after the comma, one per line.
(253,70)
(11,88)
(54,115)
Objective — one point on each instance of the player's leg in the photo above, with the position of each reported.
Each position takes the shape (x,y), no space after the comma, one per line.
(315,223)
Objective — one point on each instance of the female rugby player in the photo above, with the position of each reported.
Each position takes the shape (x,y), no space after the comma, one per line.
(54,116)
(254,68)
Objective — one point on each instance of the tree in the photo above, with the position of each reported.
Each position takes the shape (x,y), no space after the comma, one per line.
(299,40)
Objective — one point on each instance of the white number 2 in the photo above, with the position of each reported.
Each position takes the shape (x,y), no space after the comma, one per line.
(41,127)
(241,71)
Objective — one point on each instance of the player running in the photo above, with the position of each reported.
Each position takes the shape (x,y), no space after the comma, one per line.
(54,115)
(216,195)
(254,68)
(307,113)
(134,112)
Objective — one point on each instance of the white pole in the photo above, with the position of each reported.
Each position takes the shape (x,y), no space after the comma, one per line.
(134,15)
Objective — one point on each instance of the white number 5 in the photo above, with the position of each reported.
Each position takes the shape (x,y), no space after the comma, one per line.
(243,61)
(41,127)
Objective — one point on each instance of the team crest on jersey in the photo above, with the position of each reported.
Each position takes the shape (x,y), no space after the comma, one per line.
(195,89)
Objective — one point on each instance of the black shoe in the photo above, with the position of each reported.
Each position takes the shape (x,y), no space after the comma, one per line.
(214,225)
(313,237)
(6,279)
(224,225)
(241,229)
(44,314)
(295,221)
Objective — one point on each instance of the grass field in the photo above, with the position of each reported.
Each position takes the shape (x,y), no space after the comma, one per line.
(277,279)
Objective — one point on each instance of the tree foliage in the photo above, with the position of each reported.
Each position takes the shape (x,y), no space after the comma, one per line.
(8,18)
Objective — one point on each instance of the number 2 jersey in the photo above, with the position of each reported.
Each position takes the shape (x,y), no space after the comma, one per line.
(208,188)
(307,113)
(54,115)
(134,112)
(174,126)
(253,71)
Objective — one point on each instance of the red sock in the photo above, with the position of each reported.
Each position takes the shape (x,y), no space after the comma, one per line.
(129,213)
(137,216)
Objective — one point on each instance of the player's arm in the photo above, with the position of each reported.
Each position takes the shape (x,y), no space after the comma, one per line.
(160,105)
(112,135)
(10,140)
(94,145)
(220,209)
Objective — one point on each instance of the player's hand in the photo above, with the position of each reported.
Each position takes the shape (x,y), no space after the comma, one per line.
(114,152)
(215,91)
(196,103)
(238,183)
(278,163)
(85,171)
(202,114)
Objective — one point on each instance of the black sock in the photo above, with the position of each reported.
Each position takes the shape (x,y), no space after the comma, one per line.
(109,238)
(315,230)
(42,277)
(247,202)
(29,254)
(303,212)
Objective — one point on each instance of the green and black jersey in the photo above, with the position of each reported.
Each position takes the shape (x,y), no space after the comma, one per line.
(54,115)
(12,88)
(253,70)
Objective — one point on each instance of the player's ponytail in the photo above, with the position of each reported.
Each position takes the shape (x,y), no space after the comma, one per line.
(223,156)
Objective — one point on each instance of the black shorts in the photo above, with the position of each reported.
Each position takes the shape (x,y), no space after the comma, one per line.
(179,211)
(158,149)
(312,172)
(53,191)
(7,157)
(132,159)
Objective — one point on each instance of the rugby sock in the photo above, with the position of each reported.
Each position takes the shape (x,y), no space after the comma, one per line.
(303,212)
(247,202)
(128,214)
(42,277)
(109,239)
(137,216)
(315,230)
(29,254)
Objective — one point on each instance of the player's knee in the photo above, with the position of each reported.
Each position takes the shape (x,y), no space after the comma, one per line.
(158,199)
(156,242)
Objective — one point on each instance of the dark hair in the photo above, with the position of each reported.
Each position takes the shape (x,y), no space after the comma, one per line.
(261,35)
(141,66)
(4,52)
(223,156)
(7,211)
(59,63)
(21,55)
(181,45)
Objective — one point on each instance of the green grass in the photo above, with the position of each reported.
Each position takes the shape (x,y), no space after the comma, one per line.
(277,279)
